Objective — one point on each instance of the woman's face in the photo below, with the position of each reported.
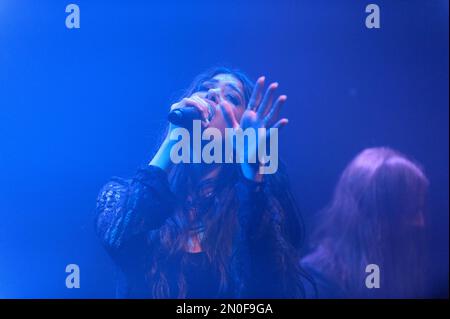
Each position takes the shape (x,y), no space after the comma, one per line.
(223,92)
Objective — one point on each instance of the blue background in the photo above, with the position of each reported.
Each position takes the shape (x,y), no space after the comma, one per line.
(78,106)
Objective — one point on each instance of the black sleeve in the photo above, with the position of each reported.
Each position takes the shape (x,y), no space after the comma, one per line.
(252,260)
(127,210)
(258,241)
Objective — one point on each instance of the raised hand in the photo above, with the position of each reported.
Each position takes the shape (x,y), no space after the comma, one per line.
(261,112)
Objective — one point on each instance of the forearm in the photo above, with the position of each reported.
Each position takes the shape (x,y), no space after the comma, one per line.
(162,157)
(256,246)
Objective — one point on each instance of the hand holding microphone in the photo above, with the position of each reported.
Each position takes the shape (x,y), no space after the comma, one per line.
(182,114)
(189,109)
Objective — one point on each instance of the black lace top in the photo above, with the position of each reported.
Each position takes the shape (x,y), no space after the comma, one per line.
(129,214)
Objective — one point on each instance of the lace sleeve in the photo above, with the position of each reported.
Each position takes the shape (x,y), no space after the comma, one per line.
(130,208)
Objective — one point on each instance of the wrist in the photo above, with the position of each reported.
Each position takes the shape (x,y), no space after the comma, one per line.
(251,172)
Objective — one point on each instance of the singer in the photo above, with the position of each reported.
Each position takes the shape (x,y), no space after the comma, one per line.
(199,230)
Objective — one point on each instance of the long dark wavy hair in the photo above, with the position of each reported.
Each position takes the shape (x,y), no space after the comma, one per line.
(377,216)
(220,222)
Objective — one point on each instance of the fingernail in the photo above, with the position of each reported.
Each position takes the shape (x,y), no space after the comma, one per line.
(261,79)
(274,85)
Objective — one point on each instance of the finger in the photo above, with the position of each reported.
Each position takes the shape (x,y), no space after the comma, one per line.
(194,102)
(268,99)
(184,102)
(278,125)
(256,94)
(209,102)
(205,107)
(176,106)
(211,106)
(281,123)
(275,110)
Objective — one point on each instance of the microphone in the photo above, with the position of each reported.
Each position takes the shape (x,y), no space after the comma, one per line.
(185,116)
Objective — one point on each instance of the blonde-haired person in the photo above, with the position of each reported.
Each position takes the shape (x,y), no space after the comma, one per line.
(377,216)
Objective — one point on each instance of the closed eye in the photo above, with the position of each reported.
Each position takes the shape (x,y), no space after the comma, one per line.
(233,99)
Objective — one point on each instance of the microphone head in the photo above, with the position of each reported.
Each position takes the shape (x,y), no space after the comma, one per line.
(176,117)
(185,116)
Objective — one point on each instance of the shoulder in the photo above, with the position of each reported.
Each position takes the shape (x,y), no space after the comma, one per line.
(325,286)
(113,192)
